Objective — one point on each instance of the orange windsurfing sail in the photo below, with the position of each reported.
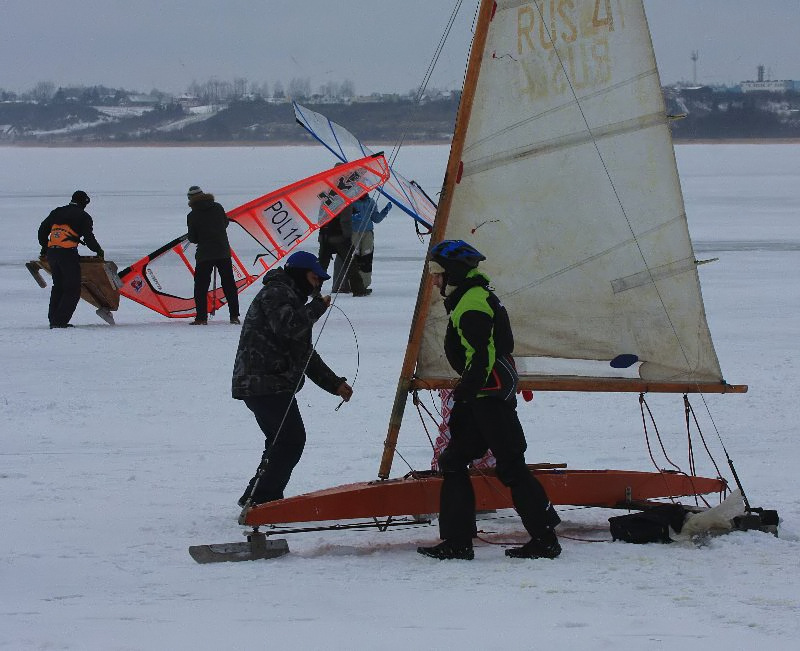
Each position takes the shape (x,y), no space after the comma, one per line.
(262,232)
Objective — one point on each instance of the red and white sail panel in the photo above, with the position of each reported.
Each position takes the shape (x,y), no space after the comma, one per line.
(261,233)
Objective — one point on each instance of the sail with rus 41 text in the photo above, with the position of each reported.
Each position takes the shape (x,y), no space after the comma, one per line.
(261,233)
(567,182)
(407,195)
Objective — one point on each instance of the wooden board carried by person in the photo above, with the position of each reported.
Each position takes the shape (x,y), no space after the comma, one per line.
(100,283)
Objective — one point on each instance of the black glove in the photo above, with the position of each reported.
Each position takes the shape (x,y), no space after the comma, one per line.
(100,253)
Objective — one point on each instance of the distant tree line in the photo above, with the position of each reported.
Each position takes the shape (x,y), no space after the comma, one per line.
(240,111)
(714,114)
(212,91)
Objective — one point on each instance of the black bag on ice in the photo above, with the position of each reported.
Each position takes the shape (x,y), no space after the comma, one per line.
(648,526)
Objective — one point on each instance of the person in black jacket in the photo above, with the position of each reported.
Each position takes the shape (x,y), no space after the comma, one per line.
(335,239)
(59,236)
(275,355)
(478,345)
(207,223)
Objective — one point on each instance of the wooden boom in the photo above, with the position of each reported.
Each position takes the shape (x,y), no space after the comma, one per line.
(596,385)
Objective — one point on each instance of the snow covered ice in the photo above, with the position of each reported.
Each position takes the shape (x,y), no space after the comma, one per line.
(121,445)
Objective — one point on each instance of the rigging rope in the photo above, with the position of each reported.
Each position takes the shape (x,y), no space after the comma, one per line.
(358,350)
(427,76)
(578,104)
(395,151)
(418,404)
(688,409)
(393,157)
(643,404)
(610,179)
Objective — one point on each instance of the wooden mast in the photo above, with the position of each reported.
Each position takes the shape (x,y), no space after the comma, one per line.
(423,297)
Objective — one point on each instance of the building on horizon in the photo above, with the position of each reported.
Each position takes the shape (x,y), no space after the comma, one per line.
(761,85)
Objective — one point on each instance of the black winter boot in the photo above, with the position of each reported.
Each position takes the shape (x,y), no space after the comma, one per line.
(449,550)
(247,493)
(546,546)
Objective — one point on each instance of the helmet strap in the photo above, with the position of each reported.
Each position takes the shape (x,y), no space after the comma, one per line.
(443,288)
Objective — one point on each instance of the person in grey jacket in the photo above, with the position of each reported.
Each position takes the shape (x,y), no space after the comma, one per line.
(335,239)
(207,224)
(274,357)
(365,215)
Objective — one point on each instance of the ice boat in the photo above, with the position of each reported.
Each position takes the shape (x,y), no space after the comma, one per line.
(562,172)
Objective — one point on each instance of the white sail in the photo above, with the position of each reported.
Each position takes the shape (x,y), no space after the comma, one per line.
(569,186)
(406,194)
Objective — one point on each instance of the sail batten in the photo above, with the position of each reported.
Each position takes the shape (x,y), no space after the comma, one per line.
(646,277)
(570,140)
(569,105)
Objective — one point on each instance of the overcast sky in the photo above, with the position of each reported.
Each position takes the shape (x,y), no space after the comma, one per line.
(380,45)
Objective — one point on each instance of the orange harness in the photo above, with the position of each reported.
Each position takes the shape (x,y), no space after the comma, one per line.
(62,237)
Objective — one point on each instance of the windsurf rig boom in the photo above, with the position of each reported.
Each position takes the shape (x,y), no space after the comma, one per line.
(407,195)
(262,232)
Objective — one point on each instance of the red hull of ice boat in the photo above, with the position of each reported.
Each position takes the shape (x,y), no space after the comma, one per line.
(411,496)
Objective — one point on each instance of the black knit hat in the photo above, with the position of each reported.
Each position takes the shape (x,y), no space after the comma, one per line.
(194,191)
(80,197)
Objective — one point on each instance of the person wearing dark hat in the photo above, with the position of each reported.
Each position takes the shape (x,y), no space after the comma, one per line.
(478,345)
(208,223)
(274,357)
(59,236)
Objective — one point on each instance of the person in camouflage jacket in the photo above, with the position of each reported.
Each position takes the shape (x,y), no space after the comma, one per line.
(275,355)
(479,345)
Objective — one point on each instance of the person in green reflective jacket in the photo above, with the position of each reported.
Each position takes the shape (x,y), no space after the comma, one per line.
(479,345)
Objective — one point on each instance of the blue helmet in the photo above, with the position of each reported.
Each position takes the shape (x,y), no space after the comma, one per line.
(307,261)
(448,251)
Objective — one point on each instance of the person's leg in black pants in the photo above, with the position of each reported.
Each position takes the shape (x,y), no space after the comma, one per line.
(202,279)
(284,440)
(225,267)
(65,267)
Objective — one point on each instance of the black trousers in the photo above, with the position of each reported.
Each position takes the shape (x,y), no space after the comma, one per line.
(475,426)
(65,267)
(338,245)
(284,440)
(202,281)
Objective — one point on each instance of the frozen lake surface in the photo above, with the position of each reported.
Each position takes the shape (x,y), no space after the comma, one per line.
(121,445)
